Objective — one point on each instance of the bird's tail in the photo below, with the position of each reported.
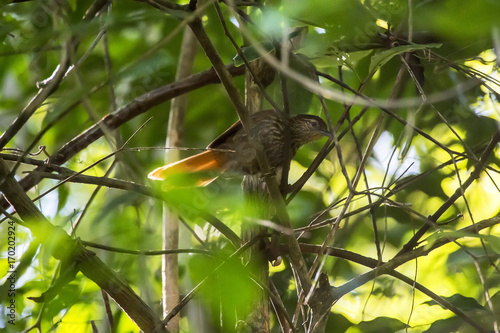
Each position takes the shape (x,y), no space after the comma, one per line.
(198,170)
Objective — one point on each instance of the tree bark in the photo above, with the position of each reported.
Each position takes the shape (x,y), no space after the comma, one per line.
(170,269)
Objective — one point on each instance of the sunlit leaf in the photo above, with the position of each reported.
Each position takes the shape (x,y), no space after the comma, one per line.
(462,302)
(445,325)
(383,57)
(377,325)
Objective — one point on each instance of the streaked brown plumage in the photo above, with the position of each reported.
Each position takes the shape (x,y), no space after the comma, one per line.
(232,151)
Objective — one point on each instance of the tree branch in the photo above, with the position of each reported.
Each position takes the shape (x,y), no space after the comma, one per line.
(295,255)
(458,193)
(388,268)
(114,120)
(62,247)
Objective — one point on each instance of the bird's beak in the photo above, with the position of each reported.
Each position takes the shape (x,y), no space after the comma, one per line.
(327,134)
(318,135)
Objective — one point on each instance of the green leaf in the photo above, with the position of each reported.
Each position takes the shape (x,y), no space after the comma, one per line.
(63,194)
(460,260)
(299,98)
(445,325)
(383,57)
(462,302)
(226,286)
(459,20)
(380,324)
(253,52)
(337,323)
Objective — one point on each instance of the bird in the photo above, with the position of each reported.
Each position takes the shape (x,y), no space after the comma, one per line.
(232,151)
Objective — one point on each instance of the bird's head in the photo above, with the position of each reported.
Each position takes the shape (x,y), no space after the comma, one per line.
(307,128)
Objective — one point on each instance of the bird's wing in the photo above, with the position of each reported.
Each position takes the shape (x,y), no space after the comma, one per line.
(228,136)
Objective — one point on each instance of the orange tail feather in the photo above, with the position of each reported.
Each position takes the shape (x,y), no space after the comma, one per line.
(206,161)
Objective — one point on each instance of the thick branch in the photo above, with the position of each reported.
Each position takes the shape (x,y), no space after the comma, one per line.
(63,247)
